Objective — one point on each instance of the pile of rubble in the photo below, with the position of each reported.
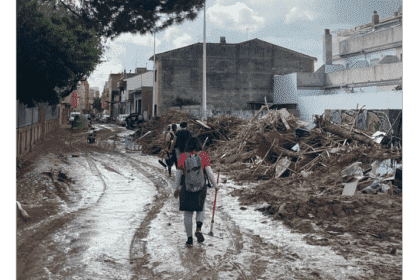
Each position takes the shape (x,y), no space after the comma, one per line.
(280,147)
(151,134)
(331,179)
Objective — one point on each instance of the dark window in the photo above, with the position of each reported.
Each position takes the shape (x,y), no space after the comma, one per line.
(139,106)
(155,109)
(155,75)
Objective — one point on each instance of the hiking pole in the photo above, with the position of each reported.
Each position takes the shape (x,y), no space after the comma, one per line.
(212,219)
(205,143)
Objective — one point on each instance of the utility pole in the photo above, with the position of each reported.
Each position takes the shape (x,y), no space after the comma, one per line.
(154,74)
(204,67)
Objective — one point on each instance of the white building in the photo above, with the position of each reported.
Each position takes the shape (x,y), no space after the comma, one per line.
(362,66)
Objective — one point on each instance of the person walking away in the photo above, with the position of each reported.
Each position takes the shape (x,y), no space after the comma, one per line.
(190,186)
(170,141)
(165,145)
(182,138)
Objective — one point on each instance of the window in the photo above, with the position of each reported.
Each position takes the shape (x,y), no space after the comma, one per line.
(155,75)
(401,57)
(155,109)
(139,106)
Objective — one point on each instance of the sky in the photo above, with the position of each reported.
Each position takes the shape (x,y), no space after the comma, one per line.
(293,24)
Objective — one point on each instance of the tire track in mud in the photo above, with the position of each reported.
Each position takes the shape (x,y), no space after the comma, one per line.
(45,228)
(210,265)
(139,257)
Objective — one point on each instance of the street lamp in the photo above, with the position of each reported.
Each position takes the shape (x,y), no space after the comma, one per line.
(204,66)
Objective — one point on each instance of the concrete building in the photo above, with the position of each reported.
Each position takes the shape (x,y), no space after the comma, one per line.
(78,100)
(136,93)
(135,89)
(238,75)
(110,95)
(362,66)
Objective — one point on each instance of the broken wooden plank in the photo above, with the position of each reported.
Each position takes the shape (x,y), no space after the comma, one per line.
(264,157)
(25,215)
(282,165)
(350,188)
(335,129)
(202,124)
(285,123)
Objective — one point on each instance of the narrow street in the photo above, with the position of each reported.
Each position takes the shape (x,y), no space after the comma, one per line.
(113,216)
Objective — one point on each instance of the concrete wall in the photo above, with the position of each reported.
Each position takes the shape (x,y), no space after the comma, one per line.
(236,73)
(382,72)
(310,79)
(375,39)
(372,58)
(285,89)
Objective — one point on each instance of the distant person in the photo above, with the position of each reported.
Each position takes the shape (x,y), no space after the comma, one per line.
(182,138)
(190,186)
(170,140)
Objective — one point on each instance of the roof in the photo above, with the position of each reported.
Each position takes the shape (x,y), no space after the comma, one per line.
(365,28)
(189,46)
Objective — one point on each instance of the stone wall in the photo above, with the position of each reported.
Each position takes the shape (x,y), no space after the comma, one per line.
(236,73)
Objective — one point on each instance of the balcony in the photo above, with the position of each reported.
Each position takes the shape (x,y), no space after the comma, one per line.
(375,40)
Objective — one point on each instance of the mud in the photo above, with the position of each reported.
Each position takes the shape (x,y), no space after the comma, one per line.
(110,214)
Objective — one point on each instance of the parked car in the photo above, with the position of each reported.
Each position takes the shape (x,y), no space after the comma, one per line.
(121,119)
(105,118)
(72,115)
(134,120)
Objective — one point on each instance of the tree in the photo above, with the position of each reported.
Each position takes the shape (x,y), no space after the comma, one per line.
(97,104)
(111,18)
(54,51)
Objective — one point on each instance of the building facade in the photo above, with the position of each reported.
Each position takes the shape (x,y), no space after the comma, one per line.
(136,91)
(237,75)
(362,66)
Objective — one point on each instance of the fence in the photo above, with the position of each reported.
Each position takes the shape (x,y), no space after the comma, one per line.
(33,124)
(27,116)
(51,113)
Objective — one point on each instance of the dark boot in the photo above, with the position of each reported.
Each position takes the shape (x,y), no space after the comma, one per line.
(189,242)
(198,234)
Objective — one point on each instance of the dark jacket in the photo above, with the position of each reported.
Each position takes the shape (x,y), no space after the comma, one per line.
(182,138)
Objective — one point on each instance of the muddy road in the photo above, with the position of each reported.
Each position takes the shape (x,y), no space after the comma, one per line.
(113,216)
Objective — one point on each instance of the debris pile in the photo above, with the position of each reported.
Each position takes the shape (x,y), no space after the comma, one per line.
(280,146)
(215,129)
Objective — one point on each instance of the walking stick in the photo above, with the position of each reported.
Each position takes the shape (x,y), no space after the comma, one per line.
(212,219)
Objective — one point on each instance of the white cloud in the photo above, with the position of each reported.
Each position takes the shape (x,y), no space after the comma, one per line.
(177,37)
(141,40)
(234,17)
(298,14)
